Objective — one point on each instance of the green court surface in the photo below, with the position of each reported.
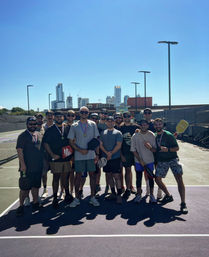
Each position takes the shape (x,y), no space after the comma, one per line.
(195,162)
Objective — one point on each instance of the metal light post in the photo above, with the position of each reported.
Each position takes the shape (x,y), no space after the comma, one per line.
(145,88)
(28,97)
(135,83)
(49,100)
(169,70)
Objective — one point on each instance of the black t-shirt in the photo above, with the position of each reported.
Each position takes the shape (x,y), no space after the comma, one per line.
(168,140)
(56,138)
(32,150)
(127,132)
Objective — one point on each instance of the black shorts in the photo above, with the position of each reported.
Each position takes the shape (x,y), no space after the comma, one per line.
(129,160)
(113,166)
(32,179)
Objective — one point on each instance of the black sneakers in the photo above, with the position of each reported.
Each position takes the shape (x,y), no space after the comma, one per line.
(167,199)
(36,207)
(20,211)
(183,208)
(69,198)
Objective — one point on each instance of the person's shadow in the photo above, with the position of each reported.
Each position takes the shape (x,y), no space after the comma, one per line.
(53,220)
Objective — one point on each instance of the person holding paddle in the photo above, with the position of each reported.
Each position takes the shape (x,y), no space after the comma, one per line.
(166,156)
(143,145)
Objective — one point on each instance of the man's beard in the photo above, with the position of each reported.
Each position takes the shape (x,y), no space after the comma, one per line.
(158,129)
(59,122)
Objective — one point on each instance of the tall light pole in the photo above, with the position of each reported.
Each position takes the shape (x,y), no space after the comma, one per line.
(145,88)
(49,100)
(28,97)
(169,68)
(135,83)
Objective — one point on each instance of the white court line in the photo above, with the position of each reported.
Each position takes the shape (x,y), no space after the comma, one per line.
(104,236)
(8,208)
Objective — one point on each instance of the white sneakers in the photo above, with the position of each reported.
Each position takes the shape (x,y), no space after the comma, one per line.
(93,201)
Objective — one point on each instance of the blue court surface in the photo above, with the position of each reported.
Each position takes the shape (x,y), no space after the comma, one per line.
(112,230)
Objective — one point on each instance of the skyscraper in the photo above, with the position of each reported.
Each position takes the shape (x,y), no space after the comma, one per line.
(117,94)
(60,102)
(69,102)
(126,99)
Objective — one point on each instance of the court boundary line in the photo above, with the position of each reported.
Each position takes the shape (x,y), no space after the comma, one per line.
(104,236)
(9,207)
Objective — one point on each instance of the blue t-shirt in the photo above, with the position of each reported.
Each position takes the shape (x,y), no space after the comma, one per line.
(109,139)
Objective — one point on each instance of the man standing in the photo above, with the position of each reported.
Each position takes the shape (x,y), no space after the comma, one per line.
(127,129)
(81,133)
(148,118)
(102,122)
(57,145)
(166,157)
(111,141)
(143,145)
(30,164)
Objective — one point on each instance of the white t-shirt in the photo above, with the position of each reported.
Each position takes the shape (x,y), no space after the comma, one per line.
(137,145)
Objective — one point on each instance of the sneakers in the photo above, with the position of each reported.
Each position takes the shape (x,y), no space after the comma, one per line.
(138,198)
(69,198)
(61,196)
(152,199)
(110,197)
(94,201)
(119,199)
(20,211)
(167,199)
(159,194)
(74,203)
(147,187)
(127,194)
(27,202)
(45,193)
(183,208)
(55,204)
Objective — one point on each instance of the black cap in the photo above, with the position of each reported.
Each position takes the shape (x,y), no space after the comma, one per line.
(58,113)
(143,121)
(32,118)
(110,118)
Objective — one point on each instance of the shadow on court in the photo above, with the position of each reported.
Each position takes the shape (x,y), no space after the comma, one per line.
(144,213)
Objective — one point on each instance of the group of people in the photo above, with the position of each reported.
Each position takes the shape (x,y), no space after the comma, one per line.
(73,150)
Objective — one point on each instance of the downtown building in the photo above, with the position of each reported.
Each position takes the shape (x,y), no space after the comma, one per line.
(117,95)
(82,102)
(69,102)
(59,103)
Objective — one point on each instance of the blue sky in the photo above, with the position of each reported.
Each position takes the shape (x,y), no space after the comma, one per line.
(92,45)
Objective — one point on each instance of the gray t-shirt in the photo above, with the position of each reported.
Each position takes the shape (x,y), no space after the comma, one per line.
(82,133)
(137,145)
(109,139)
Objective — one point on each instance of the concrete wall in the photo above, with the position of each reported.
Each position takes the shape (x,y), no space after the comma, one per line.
(12,122)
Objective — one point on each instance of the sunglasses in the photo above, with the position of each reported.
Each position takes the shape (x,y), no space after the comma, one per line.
(147,112)
(105,113)
(32,124)
(94,118)
(126,116)
(84,112)
(70,115)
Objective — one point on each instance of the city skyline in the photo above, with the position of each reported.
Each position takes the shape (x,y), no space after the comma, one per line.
(91,46)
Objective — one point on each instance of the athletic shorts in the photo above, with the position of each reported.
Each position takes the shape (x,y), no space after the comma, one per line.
(140,168)
(162,168)
(113,166)
(85,166)
(32,179)
(129,160)
(60,167)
